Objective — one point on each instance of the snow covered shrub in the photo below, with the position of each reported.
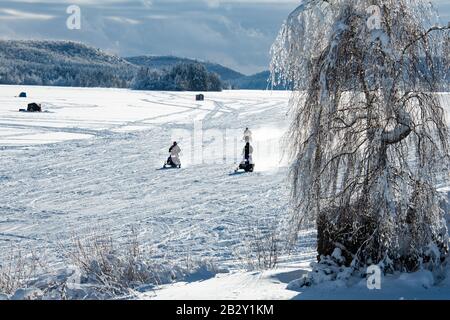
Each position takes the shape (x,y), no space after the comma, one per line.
(16,270)
(97,268)
(369,137)
(109,269)
(266,250)
(262,247)
(328,268)
(116,269)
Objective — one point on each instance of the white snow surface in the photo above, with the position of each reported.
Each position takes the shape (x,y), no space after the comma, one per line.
(279,284)
(89,164)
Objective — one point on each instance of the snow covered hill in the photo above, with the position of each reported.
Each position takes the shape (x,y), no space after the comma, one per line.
(87,166)
(73,64)
(61,63)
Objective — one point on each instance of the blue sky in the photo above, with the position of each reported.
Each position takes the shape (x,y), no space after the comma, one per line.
(235,33)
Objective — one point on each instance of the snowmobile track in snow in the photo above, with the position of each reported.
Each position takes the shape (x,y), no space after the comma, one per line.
(108,185)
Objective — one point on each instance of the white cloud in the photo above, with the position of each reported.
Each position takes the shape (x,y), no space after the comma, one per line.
(124,20)
(11,14)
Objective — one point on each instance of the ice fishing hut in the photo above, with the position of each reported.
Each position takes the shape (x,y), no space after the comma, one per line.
(200,97)
(34,107)
(23,95)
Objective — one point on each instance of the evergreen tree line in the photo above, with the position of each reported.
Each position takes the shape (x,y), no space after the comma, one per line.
(181,77)
(65,75)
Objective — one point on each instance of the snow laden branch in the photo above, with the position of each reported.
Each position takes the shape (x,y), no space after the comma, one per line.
(401,131)
(424,35)
(368,137)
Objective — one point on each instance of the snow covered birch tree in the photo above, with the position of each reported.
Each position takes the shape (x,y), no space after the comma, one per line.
(368,138)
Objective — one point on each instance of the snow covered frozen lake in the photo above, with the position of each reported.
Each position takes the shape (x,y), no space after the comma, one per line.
(88,164)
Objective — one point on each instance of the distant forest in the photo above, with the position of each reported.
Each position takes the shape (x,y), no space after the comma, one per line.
(181,77)
(66,63)
(71,64)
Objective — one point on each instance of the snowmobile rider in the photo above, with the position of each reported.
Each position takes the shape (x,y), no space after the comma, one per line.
(248,153)
(247,135)
(174,158)
(247,163)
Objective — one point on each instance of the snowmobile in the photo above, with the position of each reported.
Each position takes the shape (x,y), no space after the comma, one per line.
(171,164)
(246,166)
